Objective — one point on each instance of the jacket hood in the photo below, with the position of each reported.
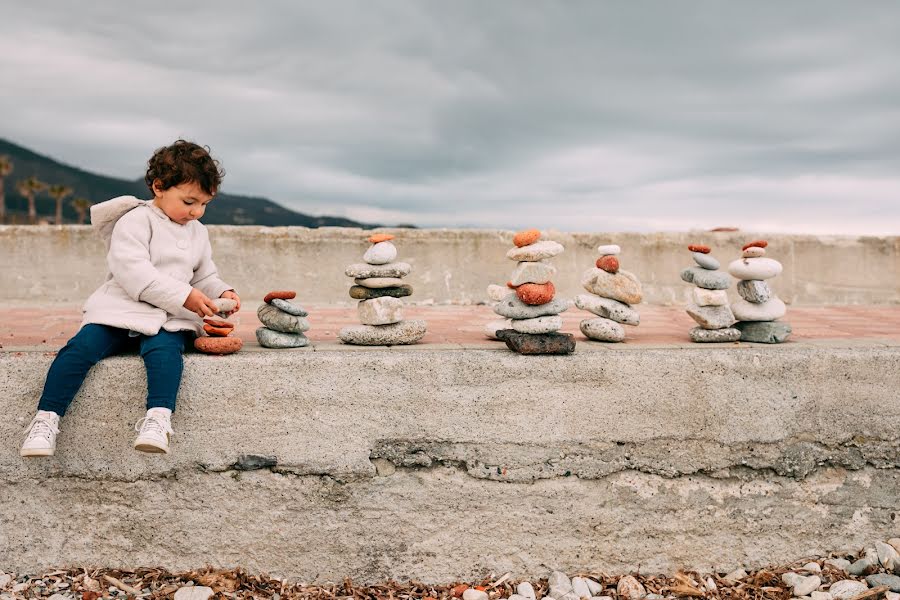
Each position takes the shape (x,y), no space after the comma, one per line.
(105,214)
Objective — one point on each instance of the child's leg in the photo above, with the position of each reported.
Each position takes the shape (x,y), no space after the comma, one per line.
(162,357)
(162,354)
(71,365)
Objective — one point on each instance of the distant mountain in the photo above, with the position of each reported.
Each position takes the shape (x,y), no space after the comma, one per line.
(228,209)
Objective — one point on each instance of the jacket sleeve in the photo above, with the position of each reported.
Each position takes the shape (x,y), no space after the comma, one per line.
(206,275)
(129,263)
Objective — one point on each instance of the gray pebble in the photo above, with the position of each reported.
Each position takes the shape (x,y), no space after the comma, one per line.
(289,307)
(706,261)
(269,338)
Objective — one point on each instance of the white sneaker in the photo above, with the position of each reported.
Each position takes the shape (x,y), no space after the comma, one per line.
(40,437)
(153,432)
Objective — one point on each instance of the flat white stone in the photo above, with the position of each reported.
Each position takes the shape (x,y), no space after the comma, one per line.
(473,594)
(527,590)
(538,325)
(755,268)
(379,282)
(630,588)
(404,332)
(364,271)
(846,589)
(536,251)
(769,310)
(807,585)
(224,305)
(193,592)
(704,297)
(580,587)
(532,272)
(594,586)
(609,250)
(380,253)
(887,555)
(380,311)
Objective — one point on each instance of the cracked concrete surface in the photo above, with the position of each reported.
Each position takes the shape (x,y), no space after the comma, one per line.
(451,463)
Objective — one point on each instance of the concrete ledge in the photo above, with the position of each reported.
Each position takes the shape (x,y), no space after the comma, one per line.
(446,463)
(456,265)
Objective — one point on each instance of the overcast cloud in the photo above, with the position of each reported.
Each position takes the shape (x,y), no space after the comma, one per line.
(634,115)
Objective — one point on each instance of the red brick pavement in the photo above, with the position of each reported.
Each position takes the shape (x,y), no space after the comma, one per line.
(49,327)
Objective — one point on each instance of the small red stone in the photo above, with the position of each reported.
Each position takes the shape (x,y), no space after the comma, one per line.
(608,263)
(285,295)
(218,345)
(217,331)
(458,590)
(756,243)
(702,249)
(536,293)
(218,323)
(527,237)
(510,285)
(380,237)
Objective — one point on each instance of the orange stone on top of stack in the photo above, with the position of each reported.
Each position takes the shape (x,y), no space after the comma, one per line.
(379,289)
(612,292)
(532,307)
(218,338)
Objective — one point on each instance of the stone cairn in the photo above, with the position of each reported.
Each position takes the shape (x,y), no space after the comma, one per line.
(759,308)
(285,322)
(379,287)
(612,292)
(532,308)
(709,306)
(218,338)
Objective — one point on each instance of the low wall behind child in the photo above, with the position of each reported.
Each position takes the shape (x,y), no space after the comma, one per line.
(63,265)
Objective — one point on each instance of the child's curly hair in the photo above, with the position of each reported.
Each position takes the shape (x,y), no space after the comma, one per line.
(184,162)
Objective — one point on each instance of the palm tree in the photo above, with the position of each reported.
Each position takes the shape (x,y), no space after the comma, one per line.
(58,192)
(81,206)
(30,188)
(6,167)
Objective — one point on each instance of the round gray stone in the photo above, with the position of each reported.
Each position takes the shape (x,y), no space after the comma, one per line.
(513,308)
(706,261)
(366,271)
(754,290)
(708,280)
(608,309)
(269,338)
(602,330)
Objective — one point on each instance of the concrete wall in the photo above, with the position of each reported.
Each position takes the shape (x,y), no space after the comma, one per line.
(63,265)
(440,464)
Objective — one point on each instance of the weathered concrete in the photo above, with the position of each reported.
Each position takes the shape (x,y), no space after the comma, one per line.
(443,463)
(456,266)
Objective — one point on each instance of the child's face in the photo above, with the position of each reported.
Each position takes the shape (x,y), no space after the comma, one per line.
(182,203)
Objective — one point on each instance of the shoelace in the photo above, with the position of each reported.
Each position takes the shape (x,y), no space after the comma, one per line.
(41,427)
(153,425)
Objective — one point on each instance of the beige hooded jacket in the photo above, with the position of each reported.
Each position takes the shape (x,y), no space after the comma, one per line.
(153,264)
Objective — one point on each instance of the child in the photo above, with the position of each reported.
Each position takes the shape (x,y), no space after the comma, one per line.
(161,278)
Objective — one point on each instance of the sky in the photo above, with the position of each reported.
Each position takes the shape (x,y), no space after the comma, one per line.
(577,116)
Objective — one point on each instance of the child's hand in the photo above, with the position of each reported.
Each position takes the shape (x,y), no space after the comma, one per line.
(233,295)
(197,302)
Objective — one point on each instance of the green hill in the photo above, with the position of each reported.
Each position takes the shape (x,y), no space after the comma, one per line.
(228,209)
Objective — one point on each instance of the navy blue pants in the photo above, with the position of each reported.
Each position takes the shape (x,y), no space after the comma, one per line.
(161,353)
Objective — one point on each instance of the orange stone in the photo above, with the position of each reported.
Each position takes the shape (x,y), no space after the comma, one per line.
(218,323)
(284,295)
(510,285)
(218,345)
(536,293)
(608,263)
(380,237)
(702,249)
(756,243)
(457,591)
(527,237)
(217,331)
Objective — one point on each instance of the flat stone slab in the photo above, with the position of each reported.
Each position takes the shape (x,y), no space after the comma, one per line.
(764,332)
(366,271)
(269,338)
(544,343)
(359,292)
(404,332)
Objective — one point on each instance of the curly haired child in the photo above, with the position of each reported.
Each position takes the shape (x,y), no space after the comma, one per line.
(160,285)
